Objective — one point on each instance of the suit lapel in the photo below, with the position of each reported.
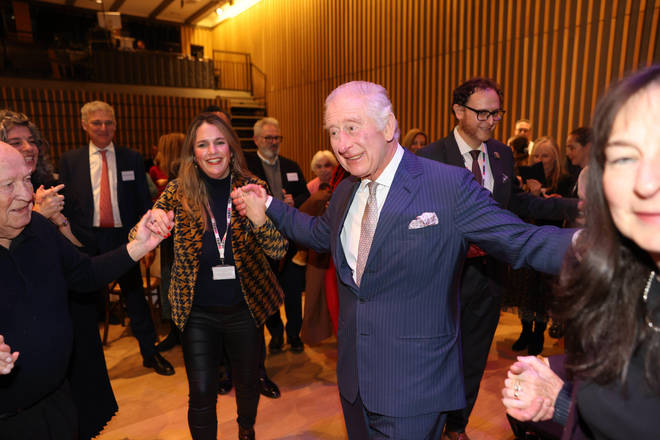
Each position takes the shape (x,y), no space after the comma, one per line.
(344,203)
(454,156)
(120,166)
(401,193)
(85,176)
(496,169)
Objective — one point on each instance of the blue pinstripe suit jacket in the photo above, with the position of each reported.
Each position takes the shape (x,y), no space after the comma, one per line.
(398,336)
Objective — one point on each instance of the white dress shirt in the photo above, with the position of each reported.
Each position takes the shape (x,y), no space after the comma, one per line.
(484,162)
(350,233)
(95,167)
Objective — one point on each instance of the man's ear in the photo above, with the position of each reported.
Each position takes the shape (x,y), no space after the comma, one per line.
(390,128)
(459,111)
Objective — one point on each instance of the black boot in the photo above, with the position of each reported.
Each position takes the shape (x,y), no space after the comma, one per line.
(525,336)
(536,342)
(245,433)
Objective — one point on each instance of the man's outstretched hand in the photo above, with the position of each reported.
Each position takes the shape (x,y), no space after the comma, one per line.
(250,201)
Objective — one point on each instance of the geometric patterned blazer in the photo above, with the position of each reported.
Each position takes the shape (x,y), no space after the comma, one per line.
(250,245)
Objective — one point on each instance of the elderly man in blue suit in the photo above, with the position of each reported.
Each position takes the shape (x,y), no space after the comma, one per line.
(398,232)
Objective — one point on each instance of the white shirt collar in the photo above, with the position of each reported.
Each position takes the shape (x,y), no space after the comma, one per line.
(387,176)
(94,149)
(463,146)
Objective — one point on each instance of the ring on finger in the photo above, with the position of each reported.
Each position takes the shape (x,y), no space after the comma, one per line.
(516,386)
(515,394)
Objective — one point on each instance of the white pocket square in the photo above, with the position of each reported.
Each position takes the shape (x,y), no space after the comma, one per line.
(423,220)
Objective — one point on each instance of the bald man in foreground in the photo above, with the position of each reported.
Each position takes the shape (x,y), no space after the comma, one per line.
(38,266)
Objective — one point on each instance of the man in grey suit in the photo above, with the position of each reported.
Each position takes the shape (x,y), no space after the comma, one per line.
(398,232)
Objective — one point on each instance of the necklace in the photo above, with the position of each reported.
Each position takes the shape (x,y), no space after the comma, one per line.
(645,296)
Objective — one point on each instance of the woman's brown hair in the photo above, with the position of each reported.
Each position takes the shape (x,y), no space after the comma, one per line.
(193,193)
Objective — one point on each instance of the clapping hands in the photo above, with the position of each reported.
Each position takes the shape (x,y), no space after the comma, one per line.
(530,390)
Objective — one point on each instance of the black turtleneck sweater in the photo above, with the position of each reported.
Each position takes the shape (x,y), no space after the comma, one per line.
(210,292)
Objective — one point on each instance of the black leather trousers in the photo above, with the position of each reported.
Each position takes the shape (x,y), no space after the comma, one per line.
(208,332)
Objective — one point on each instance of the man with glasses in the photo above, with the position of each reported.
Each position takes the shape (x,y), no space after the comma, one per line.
(287,183)
(477,107)
(106,194)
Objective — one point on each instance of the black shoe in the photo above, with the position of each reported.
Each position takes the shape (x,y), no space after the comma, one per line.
(159,364)
(536,341)
(170,341)
(245,433)
(525,337)
(225,386)
(297,345)
(268,388)
(275,344)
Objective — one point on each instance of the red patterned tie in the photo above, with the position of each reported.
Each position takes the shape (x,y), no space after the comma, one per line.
(475,167)
(474,250)
(106,219)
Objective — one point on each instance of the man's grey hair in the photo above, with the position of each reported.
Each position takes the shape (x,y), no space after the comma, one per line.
(259,125)
(95,106)
(377,103)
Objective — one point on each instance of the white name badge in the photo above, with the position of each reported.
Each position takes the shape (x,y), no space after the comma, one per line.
(224,272)
(292,177)
(127,175)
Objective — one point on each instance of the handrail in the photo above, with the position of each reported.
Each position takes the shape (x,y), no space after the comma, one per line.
(234,71)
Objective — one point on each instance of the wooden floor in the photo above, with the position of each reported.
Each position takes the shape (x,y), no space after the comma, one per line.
(154,407)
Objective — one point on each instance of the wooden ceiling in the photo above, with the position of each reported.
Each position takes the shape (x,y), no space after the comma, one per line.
(191,12)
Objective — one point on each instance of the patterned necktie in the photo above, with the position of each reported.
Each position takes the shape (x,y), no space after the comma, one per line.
(475,167)
(474,250)
(106,219)
(367,229)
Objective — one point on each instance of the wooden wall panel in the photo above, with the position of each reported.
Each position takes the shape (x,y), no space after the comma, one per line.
(554,58)
(141,119)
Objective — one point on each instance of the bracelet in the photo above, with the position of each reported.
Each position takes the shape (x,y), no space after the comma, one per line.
(64,223)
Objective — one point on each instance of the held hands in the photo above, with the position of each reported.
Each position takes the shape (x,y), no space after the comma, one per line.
(7,358)
(530,390)
(154,226)
(250,201)
(48,202)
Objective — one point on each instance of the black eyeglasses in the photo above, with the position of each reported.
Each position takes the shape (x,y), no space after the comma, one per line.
(273,138)
(483,115)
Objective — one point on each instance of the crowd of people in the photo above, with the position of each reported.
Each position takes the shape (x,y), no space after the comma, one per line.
(407,251)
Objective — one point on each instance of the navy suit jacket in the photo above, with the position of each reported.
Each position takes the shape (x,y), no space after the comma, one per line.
(132,195)
(398,335)
(506,189)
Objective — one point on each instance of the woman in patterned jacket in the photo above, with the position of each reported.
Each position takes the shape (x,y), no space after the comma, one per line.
(222,288)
